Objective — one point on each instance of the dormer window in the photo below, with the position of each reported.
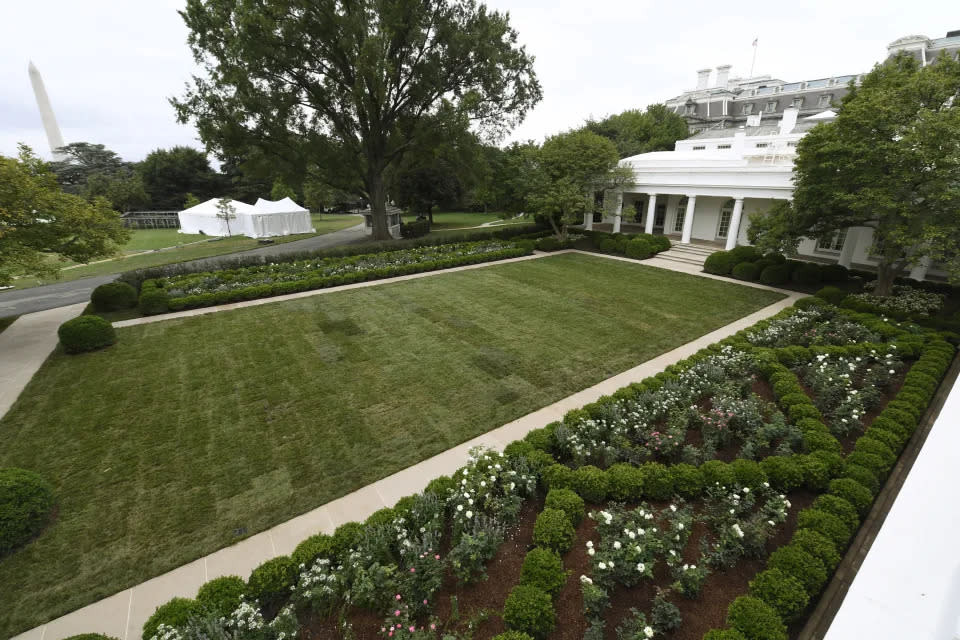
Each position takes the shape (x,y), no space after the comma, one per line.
(825,100)
(691,109)
(797,103)
(747,109)
(771,106)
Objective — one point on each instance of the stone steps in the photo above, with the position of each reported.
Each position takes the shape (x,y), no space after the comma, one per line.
(692,254)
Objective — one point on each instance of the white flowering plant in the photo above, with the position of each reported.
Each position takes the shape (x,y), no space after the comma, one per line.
(246,622)
(905,299)
(740,520)
(490,484)
(822,325)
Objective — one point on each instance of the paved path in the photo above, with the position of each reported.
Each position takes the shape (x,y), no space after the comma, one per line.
(123,614)
(21,301)
(24,346)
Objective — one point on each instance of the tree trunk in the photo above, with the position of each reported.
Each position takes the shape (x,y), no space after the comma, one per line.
(886,272)
(557,231)
(378,205)
(430,213)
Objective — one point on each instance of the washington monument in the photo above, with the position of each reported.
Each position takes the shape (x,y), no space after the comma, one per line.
(54,137)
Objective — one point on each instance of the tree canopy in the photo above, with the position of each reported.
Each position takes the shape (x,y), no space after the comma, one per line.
(170,174)
(640,131)
(890,161)
(38,221)
(92,170)
(344,90)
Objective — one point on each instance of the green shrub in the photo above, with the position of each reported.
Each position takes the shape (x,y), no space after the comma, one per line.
(784,473)
(719,263)
(221,596)
(853,492)
(796,397)
(543,569)
(270,582)
(724,634)
(798,412)
(869,461)
(174,613)
(817,545)
(558,476)
(114,296)
(316,546)
(785,594)
(868,444)
(529,610)
(687,480)
(26,500)
(807,569)
(153,301)
(831,459)
(567,501)
(441,486)
(834,273)
(639,249)
(512,635)
(840,508)
(717,472)
(745,253)
(518,449)
(749,271)
(815,472)
(345,537)
(591,483)
(609,245)
(863,476)
(775,258)
(541,438)
(657,481)
(748,473)
(626,481)
(893,440)
(549,243)
(659,243)
(90,636)
(833,295)
(553,530)
(755,619)
(86,333)
(539,460)
(775,274)
(380,517)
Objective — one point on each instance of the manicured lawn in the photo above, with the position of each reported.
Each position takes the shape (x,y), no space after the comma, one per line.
(162,445)
(145,240)
(443,221)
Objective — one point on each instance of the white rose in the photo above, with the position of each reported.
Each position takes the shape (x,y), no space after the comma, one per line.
(648,631)
(459,507)
(590,552)
(616,544)
(469,514)
(602,566)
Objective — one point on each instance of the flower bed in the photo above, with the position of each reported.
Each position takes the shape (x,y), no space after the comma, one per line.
(205,289)
(715,493)
(906,300)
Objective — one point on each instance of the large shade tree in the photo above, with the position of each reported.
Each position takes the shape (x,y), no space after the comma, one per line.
(347,88)
(890,161)
(640,131)
(170,174)
(39,221)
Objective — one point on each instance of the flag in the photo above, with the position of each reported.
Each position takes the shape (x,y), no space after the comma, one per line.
(755,41)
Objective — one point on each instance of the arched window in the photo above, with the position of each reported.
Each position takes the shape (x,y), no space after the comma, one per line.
(726,212)
(681,214)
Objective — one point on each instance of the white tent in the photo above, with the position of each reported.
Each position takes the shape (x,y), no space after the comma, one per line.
(262,220)
(203,218)
(279,218)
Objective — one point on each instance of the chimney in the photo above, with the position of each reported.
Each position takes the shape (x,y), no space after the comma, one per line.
(703,78)
(789,120)
(723,73)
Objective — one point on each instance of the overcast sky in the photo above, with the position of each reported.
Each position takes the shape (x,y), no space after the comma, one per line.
(110,65)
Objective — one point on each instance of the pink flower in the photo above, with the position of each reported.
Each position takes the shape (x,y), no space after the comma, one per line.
(412,570)
(432,626)
(397,612)
(398,596)
(424,601)
(412,629)
(436,557)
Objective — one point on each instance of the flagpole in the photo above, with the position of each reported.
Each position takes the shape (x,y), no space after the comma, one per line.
(754,61)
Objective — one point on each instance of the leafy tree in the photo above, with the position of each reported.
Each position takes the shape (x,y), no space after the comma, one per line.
(38,219)
(571,168)
(125,191)
(346,89)
(889,161)
(281,190)
(423,188)
(170,174)
(635,131)
(84,160)
(226,212)
(191,201)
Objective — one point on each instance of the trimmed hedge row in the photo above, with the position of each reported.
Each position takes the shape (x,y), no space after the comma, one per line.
(747,263)
(638,246)
(154,302)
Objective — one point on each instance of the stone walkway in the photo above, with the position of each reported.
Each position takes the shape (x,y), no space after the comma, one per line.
(123,614)
(24,346)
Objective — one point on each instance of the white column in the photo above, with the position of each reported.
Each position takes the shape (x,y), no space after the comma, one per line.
(733,231)
(618,212)
(588,219)
(850,243)
(688,219)
(919,270)
(651,212)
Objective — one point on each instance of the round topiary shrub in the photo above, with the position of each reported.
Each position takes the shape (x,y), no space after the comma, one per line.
(782,592)
(553,530)
(776,274)
(827,524)
(380,517)
(114,296)
(26,500)
(794,561)
(745,253)
(775,258)
(807,273)
(609,244)
(724,634)
(853,492)
(153,301)
(657,481)
(518,449)
(175,613)
(834,273)
(864,476)
(548,243)
(221,596)
(748,473)
(816,474)
(687,480)
(316,546)
(755,619)
(717,472)
(345,537)
(558,476)
(270,583)
(542,438)
(567,501)
(543,569)
(719,263)
(626,481)
(784,473)
(749,271)
(591,483)
(512,635)
(529,610)
(817,545)
(86,333)
(90,636)
(441,486)
(833,295)
(639,249)
(840,508)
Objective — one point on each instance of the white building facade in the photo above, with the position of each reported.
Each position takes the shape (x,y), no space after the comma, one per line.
(707,188)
